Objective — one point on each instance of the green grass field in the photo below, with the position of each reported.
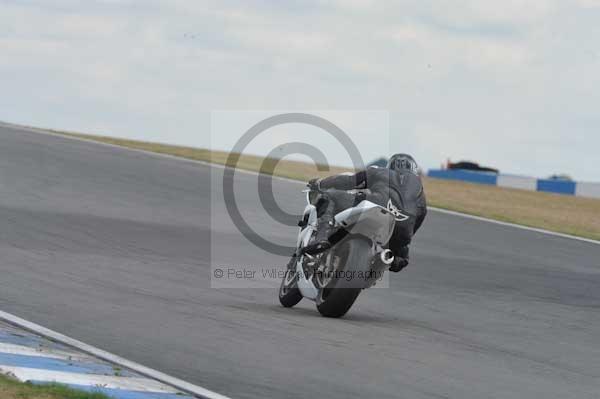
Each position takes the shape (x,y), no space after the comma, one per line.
(560,213)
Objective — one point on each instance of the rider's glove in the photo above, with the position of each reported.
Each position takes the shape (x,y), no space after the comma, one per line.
(314,185)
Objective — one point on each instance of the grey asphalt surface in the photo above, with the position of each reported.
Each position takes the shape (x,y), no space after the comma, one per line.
(113,248)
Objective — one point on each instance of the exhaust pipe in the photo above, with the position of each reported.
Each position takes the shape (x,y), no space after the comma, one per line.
(386,257)
(379,265)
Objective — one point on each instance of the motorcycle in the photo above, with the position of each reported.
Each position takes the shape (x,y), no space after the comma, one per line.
(357,259)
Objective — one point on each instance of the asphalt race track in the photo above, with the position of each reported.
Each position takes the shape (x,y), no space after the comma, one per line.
(112,247)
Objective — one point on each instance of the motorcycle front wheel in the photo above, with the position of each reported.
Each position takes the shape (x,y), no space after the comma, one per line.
(289,293)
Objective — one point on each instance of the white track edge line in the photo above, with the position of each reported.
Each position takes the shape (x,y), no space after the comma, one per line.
(516,226)
(210,164)
(107,356)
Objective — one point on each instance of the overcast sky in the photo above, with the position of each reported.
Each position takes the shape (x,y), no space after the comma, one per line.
(512,84)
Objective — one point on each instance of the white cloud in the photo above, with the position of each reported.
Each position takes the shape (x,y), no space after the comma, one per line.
(491,81)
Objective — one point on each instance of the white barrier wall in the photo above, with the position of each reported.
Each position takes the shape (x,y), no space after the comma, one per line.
(566,187)
(520,182)
(588,190)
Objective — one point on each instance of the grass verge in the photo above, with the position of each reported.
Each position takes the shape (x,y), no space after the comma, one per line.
(560,213)
(13,389)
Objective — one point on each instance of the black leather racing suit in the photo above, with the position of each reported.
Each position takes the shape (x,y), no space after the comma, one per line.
(390,188)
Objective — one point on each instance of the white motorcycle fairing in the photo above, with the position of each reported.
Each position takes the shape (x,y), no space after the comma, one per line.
(367,219)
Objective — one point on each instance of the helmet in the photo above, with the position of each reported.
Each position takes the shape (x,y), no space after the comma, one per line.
(403,162)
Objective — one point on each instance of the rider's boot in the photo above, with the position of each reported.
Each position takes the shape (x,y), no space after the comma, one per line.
(325,227)
(401,259)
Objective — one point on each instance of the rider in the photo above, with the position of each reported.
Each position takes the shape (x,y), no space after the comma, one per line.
(397,187)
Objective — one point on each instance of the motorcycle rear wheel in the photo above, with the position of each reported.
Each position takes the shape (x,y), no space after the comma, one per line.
(340,293)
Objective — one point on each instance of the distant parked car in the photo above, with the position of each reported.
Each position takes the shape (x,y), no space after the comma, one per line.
(561,177)
(467,165)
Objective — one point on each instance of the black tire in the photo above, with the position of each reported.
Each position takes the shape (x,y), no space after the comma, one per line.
(289,294)
(340,294)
